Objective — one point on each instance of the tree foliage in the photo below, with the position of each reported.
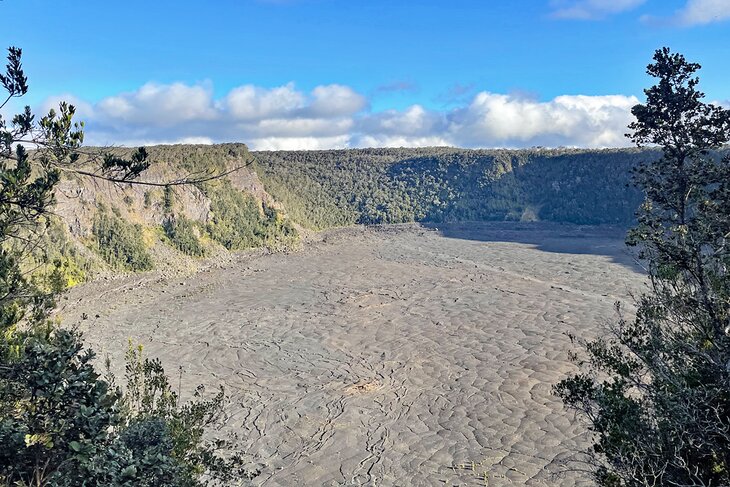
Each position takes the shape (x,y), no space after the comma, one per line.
(656,392)
(238,221)
(120,243)
(184,235)
(62,424)
(323,189)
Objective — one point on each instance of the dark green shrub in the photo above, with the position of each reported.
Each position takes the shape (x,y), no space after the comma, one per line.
(119,243)
(183,235)
(168,199)
(64,425)
(238,222)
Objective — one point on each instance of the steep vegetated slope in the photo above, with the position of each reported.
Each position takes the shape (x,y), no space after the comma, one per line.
(321,189)
(105,228)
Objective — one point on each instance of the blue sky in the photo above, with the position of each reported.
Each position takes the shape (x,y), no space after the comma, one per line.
(337,73)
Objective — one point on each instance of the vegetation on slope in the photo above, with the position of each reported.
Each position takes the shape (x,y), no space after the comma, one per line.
(322,189)
(184,234)
(120,243)
(101,227)
(239,222)
(55,261)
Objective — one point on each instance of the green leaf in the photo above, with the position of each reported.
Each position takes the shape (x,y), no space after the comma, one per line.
(129,472)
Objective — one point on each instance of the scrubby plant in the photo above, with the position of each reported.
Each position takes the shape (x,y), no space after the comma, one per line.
(61,274)
(54,263)
(183,234)
(62,424)
(168,199)
(120,244)
(238,222)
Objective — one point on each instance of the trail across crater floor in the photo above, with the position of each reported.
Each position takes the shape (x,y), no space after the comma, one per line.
(392,356)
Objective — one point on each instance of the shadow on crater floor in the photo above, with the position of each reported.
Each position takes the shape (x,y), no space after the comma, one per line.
(564,238)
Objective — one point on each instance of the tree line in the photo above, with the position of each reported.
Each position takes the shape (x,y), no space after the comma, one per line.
(322,189)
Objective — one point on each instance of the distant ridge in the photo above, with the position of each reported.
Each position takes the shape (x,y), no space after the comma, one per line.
(327,188)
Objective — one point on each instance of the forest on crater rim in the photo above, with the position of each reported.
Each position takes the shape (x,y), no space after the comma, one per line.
(322,189)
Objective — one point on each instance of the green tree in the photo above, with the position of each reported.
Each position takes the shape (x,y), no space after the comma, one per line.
(183,235)
(61,423)
(656,391)
(119,242)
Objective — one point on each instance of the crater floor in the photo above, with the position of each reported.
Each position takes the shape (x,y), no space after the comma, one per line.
(386,356)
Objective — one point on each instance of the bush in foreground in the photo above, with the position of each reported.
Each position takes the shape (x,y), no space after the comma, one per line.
(61,423)
(656,392)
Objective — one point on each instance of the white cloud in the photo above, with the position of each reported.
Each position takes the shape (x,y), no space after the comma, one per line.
(254,103)
(298,127)
(184,140)
(159,105)
(591,9)
(401,141)
(336,100)
(505,120)
(177,112)
(697,12)
(414,121)
(336,116)
(251,103)
(300,143)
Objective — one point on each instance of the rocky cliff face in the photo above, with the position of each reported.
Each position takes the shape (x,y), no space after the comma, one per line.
(103,228)
(79,198)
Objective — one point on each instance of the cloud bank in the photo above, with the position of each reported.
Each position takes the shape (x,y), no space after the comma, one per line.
(694,12)
(591,9)
(698,12)
(336,116)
